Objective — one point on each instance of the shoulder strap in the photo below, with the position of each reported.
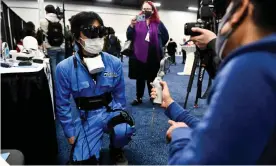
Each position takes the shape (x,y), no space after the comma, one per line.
(51,21)
(48,20)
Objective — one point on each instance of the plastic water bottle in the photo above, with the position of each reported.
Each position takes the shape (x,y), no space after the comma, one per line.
(156,84)
(5,51)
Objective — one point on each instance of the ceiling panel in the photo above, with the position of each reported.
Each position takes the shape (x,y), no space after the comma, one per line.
(180,5)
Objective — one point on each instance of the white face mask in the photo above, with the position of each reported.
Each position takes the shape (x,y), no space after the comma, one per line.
(93,46)
(95,64)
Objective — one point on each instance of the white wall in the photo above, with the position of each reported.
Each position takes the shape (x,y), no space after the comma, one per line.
(117,18)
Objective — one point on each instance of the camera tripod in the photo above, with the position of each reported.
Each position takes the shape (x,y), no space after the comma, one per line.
(201,73)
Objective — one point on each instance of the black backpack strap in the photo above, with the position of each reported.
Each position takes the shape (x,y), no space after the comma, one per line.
(51,21)
(48,20)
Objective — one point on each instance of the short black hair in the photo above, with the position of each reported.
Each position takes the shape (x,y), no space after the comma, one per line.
(29,26)
(264,14)
(50,9)
(70,19)
(83,19)
(29,29)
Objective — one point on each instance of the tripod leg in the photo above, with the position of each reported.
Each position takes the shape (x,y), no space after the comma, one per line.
(208,89)
(186,100)
(191,80)
(199,84)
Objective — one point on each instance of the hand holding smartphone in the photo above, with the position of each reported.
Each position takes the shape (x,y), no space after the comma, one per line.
(140,18)
(133,22)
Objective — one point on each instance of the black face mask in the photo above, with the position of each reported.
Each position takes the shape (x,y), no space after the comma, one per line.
(147,14)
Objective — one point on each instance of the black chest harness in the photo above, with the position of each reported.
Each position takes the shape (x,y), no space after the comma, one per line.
(93,103)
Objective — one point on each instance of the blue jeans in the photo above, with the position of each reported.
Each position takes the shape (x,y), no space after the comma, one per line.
(56,56)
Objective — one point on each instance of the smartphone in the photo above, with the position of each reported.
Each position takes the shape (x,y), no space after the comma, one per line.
(140,18)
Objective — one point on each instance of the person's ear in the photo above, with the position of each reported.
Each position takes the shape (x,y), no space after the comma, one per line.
(78,40)
(239,12)
(236,16)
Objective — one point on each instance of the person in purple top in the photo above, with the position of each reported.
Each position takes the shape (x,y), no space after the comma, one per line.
(149,36)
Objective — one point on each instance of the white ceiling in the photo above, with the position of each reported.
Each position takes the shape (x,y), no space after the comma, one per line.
(178,5)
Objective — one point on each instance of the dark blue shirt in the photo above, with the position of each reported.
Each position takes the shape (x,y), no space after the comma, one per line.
(241,118)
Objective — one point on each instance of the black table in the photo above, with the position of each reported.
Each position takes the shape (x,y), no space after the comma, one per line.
(27,121)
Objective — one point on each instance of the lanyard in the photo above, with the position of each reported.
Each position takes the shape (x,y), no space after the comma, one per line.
(148,34)
(148,26)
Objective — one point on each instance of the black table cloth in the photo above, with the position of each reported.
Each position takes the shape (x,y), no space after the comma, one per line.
(27,121)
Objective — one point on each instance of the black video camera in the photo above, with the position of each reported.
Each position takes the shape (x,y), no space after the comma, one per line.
(188,28)
(59,13)
(206,16)
(206,9)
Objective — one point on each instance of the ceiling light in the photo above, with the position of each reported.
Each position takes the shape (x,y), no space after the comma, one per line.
(193,8)
(104,0)
(157,4)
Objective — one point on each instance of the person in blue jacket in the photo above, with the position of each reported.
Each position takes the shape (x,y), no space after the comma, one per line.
(240,124)
(95,80)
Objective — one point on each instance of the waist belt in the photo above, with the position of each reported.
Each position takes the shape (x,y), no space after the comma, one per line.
(93,103)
